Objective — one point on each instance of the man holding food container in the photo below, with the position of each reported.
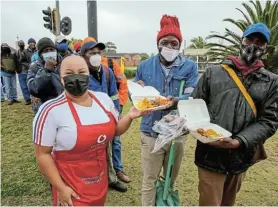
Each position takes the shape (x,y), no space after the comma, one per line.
(242,98)
(165,72)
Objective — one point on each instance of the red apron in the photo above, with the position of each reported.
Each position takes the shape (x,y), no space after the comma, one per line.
(84,168)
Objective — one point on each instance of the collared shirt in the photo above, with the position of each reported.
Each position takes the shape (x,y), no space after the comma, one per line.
(178,62)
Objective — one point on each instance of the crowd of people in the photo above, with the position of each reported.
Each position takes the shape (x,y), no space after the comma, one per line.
(78,97)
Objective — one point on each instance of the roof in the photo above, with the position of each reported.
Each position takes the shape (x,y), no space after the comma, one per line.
(195,52)
(112,54)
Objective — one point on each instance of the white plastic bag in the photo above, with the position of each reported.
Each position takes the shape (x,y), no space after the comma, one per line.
(169,127)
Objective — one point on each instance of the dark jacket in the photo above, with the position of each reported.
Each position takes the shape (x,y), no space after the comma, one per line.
(21,66)
(229,109)
(25,58)
(42,83)
(8,62)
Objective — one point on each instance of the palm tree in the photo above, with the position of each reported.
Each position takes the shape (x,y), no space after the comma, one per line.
(197,43)
(267,15)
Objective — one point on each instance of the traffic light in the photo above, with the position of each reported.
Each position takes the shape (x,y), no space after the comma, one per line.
(47,18)
(66,26)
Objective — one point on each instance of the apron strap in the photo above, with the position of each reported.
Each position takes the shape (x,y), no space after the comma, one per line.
(109,114)
(74,112)
(98,102)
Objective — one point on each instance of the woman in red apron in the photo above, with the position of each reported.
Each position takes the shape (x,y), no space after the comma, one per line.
(72,155)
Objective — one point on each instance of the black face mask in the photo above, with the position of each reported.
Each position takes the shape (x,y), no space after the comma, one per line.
(5,50)
(251,54)
(21,47)
(76,84)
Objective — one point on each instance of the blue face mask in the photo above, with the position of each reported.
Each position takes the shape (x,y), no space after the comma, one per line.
(63,47)
(49,55)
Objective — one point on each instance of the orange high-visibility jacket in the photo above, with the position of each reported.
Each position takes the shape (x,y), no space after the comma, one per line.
(120,78)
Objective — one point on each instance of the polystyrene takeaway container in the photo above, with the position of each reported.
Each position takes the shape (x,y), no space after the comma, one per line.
(197,116)
(138,93)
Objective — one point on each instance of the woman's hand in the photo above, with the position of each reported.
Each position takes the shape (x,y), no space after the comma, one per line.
(64,196)
(135,113)
(125,122)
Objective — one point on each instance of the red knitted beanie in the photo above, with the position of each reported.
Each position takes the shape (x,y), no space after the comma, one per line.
(169,25)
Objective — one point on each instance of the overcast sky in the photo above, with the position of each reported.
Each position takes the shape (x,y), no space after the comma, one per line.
(131,25)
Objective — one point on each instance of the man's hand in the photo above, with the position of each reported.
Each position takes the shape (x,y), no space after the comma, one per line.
(65,195)
(225,143)
(140,82)
(172,102)
(50,64)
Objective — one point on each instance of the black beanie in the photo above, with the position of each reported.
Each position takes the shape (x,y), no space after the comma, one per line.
(44,43)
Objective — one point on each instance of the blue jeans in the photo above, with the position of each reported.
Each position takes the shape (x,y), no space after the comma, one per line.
(117,154)
(36,103)
(3,84)
(2,91)
(10,86)
(22,77)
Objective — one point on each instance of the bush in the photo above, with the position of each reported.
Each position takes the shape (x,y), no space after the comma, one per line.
(130,73)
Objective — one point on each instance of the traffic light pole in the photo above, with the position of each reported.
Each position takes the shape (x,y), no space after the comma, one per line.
(58,19)
(92,19)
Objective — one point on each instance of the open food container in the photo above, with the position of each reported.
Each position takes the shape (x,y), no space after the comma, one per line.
(139,93)
(197,117)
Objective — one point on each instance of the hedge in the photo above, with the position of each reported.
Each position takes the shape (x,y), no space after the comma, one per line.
(130,73)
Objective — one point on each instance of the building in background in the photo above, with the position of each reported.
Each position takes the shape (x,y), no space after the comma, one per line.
(200,57)
(129,59)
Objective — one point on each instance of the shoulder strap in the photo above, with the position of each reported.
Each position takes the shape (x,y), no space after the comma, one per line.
(107,75)
(241,87)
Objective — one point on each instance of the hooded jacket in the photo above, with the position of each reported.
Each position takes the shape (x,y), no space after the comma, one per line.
(9,64)
(42,83)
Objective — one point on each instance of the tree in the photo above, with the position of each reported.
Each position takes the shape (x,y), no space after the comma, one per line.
(198,43)
(268,15)
(144,56)
(110,47)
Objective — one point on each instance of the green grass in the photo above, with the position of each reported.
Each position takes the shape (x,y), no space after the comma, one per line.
(22,183)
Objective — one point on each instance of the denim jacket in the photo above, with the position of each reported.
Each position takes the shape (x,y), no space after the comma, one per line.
(152,74)
(112,92)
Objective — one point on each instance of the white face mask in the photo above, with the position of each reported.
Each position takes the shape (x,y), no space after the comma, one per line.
(95,60)
(169,54)
(49,55)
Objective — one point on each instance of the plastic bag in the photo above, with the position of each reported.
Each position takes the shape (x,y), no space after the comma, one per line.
(169,127)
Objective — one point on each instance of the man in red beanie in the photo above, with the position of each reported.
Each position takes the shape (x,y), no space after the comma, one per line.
(166,72)
(77,47)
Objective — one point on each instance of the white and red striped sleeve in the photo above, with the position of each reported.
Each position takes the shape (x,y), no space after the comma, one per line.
(44,124)
(44,129)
